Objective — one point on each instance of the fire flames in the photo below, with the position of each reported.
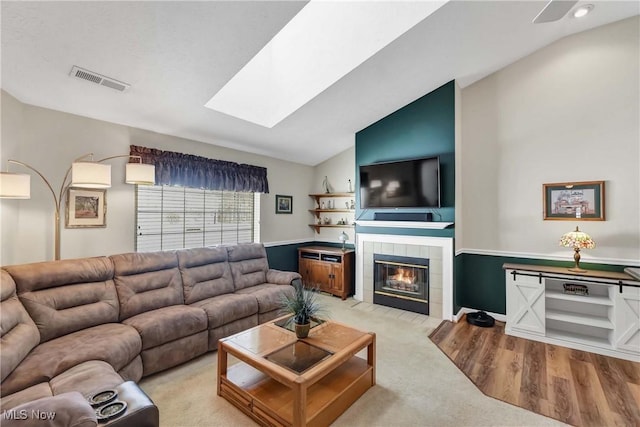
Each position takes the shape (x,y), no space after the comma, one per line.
(403,275)
(402,279)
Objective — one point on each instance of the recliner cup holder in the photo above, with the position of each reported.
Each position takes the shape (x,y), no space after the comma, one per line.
(102,397)
(111,410)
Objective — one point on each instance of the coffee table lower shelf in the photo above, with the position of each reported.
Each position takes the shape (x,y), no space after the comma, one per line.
(270,403)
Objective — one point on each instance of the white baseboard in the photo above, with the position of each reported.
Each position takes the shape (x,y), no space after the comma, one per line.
(465,310)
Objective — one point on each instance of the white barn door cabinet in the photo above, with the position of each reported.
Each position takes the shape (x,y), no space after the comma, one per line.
(596,311)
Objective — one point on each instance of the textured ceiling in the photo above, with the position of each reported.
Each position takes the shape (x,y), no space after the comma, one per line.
(176,55)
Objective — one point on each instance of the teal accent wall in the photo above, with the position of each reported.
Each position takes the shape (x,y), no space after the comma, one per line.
(285,257)
(457,270)
(480,279)
(425,127)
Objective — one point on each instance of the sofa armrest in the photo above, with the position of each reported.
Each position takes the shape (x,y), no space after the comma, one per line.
(282,277)
(64,410)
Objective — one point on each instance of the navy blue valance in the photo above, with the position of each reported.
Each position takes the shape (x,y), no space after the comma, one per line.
(187,170)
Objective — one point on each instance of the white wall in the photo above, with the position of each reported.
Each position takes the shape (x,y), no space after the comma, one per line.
(10,130)
(50,140)
(339,169)
(569,112)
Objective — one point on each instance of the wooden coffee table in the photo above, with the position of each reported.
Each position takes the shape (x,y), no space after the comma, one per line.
(280,380)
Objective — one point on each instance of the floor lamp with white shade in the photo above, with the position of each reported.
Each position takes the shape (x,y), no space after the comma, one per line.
(84,172)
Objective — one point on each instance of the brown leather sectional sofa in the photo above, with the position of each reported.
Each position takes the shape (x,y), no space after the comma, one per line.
(91,324)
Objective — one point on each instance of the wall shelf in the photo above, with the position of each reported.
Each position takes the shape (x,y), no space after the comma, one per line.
(317,227)
(318,196)
(318,211)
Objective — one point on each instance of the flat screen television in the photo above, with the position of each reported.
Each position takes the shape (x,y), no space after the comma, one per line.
(411,183)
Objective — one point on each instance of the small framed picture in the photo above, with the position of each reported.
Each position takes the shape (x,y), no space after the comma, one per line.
(284,204)
(574,201)
(86,208)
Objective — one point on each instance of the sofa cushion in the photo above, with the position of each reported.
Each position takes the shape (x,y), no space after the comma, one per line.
(87,378)
(114,343)
(248,264)
(67,296)
(28,394)
(18,334)
(229,329)
(167,324)
(133,371)
(64,410)
(147,281)
(205,273)
(227,308)
(268,295)
(174,353)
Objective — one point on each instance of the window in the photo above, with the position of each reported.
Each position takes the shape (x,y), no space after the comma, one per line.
(178,217)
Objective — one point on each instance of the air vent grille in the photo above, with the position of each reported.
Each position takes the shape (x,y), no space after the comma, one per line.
(96,78)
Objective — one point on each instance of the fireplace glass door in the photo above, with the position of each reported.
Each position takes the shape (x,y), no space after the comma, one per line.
(401,282)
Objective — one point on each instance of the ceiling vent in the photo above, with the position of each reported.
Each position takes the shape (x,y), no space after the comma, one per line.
(99,79)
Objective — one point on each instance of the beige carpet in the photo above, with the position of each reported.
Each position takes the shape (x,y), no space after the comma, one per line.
(417,385)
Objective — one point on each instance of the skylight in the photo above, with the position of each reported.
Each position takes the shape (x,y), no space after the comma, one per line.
(320,45)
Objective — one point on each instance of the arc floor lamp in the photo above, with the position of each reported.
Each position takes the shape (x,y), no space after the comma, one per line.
(84,172)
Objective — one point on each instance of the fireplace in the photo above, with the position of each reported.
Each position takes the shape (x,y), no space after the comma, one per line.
(401,282)
(439,251)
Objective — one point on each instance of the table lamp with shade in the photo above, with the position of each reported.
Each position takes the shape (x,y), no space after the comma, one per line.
(343,237)
(577,240)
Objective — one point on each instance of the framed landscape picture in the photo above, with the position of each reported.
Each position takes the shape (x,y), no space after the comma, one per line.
(86,208)
(574,201)
(284,204)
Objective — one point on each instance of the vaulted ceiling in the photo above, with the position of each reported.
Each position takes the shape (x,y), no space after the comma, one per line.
(177,55)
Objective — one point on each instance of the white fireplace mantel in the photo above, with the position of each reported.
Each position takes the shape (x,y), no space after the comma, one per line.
(446,243)
(405,224)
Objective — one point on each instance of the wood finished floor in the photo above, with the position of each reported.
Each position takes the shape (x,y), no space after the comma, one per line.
(575,387)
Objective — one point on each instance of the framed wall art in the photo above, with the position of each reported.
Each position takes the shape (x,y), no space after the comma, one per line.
(86,208)
(574,201)
(284,204)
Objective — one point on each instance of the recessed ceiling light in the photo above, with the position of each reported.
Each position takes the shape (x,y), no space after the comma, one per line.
(582,10)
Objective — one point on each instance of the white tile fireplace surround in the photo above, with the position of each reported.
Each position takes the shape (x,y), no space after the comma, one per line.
(439,250)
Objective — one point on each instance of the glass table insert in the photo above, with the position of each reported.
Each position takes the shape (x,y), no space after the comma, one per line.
(298,356)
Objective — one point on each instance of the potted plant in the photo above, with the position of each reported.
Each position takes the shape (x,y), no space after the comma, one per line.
(303,306)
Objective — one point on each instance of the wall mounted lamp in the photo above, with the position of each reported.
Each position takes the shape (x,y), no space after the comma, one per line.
(85,173)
